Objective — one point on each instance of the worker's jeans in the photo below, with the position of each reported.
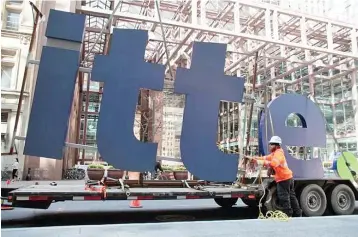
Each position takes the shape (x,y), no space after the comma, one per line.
(287,199)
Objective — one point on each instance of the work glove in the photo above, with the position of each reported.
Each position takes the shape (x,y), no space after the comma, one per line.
(260,162)
(270,172)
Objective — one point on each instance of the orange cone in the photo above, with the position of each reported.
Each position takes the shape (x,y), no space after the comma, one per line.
(135,204)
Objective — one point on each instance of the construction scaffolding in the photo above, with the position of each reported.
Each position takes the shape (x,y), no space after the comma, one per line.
(297,53)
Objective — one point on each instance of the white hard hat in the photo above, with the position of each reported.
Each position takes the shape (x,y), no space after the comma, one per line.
(275,139)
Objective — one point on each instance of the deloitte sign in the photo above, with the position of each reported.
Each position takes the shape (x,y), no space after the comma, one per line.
(123,72)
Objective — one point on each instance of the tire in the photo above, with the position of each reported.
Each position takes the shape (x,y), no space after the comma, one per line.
(313,200)
(271,200)
(226,202)
(341,200)
(251,202)
(328,190)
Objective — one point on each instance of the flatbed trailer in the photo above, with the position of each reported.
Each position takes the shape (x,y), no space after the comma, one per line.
(41,196)
(316,196)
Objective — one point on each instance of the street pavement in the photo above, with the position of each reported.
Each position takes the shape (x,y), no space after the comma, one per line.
(119,212)
(342,226)
(184,218)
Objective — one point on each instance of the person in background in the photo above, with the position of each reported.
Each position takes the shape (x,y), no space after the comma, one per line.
(15,168)
(157,169)
(283,176)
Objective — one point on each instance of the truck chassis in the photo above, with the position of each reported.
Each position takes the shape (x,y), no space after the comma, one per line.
(317,197)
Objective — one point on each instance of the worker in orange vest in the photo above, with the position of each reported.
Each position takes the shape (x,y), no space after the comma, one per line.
(283,176)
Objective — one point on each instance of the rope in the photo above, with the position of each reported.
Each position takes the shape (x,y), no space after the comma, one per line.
(197,187)
(276,215)
(103,188)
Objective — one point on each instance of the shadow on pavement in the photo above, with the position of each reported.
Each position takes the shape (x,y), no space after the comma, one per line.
(70,214)
(125,217)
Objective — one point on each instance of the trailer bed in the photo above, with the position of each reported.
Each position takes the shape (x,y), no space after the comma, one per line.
(24,184)
(41,196)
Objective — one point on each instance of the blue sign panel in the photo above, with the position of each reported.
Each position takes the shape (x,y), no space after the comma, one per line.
(313,133)
(124,73)
(53,96)
(204,85)
(260,138)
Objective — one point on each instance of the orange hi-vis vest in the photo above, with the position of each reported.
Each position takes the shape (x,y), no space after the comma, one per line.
(278,162)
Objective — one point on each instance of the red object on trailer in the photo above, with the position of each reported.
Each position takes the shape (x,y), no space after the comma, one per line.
(5,207)
(135,204)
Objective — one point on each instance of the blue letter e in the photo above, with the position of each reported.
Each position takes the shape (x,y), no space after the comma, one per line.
(312,133)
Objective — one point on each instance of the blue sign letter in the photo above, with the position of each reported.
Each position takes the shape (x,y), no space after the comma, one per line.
(124,73)
(205,85)
(313,133)
(55,85)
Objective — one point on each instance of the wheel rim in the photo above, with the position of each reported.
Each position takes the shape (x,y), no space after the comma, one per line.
(314,201)
(343,200)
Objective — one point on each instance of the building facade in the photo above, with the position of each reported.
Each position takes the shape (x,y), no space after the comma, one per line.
(16,29)
(171,133)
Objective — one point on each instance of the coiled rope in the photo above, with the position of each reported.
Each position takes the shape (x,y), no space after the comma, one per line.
(276,215)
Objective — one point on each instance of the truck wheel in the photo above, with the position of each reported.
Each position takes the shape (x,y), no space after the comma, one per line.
(250,202)
(313,200)
(341,200)
(226,202)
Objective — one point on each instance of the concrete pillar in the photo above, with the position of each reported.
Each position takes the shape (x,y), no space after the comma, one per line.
(275,25)
(203,12)
(194,11)
(354,78)
(237,26)
(268,23)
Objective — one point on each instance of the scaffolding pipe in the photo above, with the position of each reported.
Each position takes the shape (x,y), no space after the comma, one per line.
(250,114)
(251,104)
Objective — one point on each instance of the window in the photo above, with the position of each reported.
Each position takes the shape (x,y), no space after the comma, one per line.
(3,142)
(4,117)
(15,2)
(6,74)
(12,20)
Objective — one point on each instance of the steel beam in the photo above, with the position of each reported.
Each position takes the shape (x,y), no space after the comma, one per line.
(248,36)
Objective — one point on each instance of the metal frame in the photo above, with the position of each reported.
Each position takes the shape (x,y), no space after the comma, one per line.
(288,42)
(94,42)
(296,52)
